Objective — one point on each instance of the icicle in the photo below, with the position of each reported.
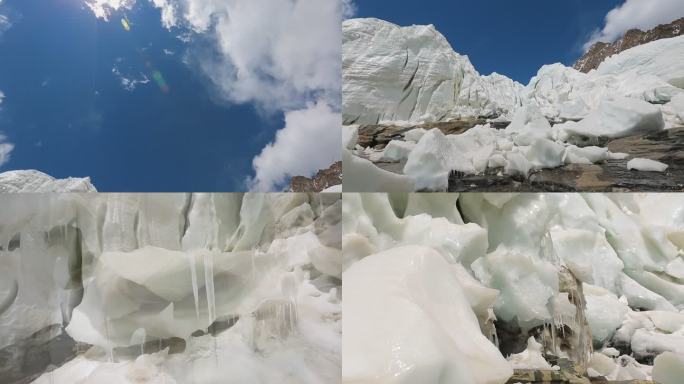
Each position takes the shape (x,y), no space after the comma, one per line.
(110,348)
(139,337)
(254,255)
(195,290)
(209,285)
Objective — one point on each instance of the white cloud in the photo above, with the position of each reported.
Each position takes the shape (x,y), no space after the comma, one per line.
(311,140)
(5,24)
(104,8)
(281,55)
(641,14)
(5,150)
(2,96)
(129,83)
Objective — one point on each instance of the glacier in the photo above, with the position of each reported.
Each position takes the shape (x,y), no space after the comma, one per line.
(484,288)
(411,77)
(171,288)
(20,181)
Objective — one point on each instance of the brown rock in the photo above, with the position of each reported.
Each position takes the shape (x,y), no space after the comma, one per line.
(600,51)
(323,179)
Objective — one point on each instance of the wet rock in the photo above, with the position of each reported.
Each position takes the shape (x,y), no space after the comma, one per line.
(610,176)
(569,336)
(174,345)
(378,135)
(600,51)
(50,347)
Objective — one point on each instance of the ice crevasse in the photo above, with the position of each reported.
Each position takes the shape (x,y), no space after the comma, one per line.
(166,288)
(445,288)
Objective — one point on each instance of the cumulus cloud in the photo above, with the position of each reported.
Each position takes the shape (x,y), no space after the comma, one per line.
(5,150)
(310,141)
(641,14)
(282,56)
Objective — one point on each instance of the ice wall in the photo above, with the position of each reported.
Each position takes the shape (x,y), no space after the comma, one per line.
(582,274)
(412,73)
(187,287)
(394,73)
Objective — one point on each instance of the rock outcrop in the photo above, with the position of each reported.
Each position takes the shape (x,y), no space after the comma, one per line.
(632,38)
(322,180)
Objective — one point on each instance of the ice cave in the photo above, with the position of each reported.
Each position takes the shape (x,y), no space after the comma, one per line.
(170,288)
(513,288)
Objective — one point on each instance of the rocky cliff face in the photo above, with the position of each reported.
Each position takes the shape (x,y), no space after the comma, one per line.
(600,51)
(323,179)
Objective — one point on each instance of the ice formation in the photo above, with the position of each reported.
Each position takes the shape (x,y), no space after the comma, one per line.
(36,181)
(174,288)
(532,280)
(646,165)
(411,75)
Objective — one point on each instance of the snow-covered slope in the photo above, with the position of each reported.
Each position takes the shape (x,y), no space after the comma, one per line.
(556,267)
(412,73)
(249,285)
(36,181)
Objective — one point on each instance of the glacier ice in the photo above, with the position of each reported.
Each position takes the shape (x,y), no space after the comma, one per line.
(408,76)
(36,181)
(589,278)
(646,165)
(412,73)
(434,337)
(187,288)
(668,368)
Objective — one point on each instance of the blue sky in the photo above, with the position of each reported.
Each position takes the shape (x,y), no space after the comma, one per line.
(513,38)
(68,114)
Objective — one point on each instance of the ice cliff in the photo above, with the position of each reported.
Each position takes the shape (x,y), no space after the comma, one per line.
(36,181)
(442,288)
(173,288)
(408,76)
(393,73)
(412,73)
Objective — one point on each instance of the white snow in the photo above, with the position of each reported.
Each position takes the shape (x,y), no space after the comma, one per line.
(640,164)
(36,181)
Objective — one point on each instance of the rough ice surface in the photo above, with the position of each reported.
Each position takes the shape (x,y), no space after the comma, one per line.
(668,368)
(175,288)
(590,278)
(640,164)
(411,75)
(361,175)
(531,358)
(36,181)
